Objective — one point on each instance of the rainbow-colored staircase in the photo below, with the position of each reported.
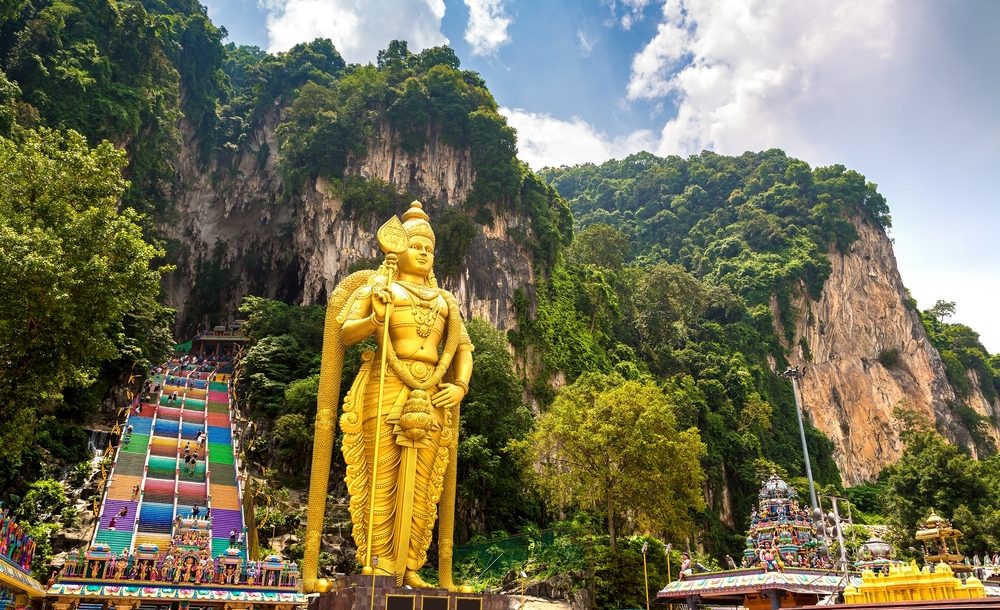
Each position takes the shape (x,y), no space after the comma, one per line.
(163,431)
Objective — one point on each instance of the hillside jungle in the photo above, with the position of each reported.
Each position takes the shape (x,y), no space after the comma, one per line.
(657,274)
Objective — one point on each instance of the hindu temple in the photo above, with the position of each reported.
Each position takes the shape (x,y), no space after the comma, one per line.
(784,564)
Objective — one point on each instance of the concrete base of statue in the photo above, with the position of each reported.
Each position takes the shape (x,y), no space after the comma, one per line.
(355,593)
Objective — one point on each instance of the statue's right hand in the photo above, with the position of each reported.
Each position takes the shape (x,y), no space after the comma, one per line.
(381,297)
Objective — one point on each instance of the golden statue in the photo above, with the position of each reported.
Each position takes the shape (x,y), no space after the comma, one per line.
(406,395)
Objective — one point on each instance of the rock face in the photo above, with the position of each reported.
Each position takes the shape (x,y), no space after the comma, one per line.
(231,233)
(847,392)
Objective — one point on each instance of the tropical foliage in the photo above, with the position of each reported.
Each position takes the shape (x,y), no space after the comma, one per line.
(77,287)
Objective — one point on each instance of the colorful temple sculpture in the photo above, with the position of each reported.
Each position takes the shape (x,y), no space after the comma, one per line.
(172,527)
(781,533)
(783,564)
(17,549)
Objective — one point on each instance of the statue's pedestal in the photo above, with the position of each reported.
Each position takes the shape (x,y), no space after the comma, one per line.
(356,594)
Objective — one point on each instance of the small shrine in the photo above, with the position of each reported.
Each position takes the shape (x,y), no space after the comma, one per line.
(781,533)
(940,543)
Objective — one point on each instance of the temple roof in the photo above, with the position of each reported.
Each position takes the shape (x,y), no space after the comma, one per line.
(19,580)
(754,580)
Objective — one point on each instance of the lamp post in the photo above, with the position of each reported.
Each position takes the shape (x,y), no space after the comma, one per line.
(645,574)
(794,374)
(524,577)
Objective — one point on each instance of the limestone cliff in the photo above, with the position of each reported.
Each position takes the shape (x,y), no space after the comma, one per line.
(231,233)
(847,392)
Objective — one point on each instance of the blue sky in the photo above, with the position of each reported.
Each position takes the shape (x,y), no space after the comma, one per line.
(905,92)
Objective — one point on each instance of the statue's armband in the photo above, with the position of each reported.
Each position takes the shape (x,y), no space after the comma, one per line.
(465,341)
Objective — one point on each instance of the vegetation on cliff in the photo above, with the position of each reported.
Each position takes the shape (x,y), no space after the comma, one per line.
(969,366)
(336,112)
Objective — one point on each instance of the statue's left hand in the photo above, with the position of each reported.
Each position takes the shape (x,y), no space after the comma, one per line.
(448,396)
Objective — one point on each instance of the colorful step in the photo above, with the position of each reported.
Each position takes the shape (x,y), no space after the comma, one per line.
(122,485)
(220,453)
(161,467)
(130,464)
(137,443)
(140,425)
(224,497)
(220,435)
(118,540)
(165,427)
(156,517)
(113,509)
(218,420)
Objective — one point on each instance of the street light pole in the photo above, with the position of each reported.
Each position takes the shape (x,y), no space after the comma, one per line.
(794,374)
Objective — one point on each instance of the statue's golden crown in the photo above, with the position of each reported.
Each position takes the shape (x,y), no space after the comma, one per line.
(417,222)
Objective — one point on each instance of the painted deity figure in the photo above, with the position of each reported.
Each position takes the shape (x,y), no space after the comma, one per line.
(768,559)
(407,417)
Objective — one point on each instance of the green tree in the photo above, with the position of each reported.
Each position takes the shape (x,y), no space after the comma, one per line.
(931,475)
(600,244)
(73,266)
(668,302)
(45,501)
(292,439)
(942,309)
(300,395)
(491,468)
(614,444)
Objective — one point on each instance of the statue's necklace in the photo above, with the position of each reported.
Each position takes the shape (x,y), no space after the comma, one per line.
(425,310)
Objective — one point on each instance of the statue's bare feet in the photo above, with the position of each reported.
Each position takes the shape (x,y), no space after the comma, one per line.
(413,579)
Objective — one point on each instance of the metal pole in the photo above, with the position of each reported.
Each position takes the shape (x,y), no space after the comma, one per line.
(840,533)
(645,575)
(794,374)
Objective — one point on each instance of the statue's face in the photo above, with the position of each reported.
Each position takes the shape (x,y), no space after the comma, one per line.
(418,259)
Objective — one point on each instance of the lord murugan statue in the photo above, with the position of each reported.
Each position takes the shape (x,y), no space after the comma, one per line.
(400,417)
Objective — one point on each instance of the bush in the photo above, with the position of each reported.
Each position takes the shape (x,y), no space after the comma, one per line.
(889,357)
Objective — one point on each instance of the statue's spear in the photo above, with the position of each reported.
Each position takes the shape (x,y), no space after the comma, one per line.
(392,241)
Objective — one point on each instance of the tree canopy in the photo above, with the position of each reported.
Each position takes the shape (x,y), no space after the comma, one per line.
(77,283)
(614,444)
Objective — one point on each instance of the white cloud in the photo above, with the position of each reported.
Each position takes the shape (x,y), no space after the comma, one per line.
(633,12)
(585,43)
(358,28)
(487,27)
(748,75)
(545,141)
